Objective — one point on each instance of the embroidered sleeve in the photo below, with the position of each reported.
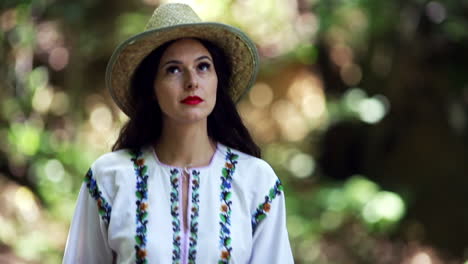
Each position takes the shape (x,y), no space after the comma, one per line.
(270,236)
(87,238)
(104,208)
(264,208)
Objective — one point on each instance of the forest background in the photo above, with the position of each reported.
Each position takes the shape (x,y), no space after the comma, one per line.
(360,106)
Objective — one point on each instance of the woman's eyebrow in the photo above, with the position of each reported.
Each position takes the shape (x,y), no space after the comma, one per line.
(204,57)
(172,61)
(179,62)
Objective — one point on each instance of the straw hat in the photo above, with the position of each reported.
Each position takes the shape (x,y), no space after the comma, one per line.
(175,21)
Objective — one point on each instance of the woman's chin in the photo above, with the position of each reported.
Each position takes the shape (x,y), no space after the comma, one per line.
(188,115)
(193,118)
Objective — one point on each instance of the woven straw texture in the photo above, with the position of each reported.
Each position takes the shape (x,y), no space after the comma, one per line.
(175,21)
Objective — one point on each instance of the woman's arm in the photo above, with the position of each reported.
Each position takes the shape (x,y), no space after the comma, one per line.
(270,236)
(87,240)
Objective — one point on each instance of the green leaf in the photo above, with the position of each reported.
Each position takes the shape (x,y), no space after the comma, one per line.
(228,195)
(261,217)
(138,240)
(225,172)
(144,170)
(272,194)
(223,218)
(228,241)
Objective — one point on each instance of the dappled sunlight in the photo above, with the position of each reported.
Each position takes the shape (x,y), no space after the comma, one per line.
(261,95)
(291,117)
(371,110)
(384,206)
(101,118)
(60,103)
(24,220)
(302,165)
(284,21)
(59,58)
(26,205)
(351,74)
(25,138)
(355,103)
(421,258)
(306,92)
(42,99)
(206,9)
(436,11)
(291,124)
(49,37)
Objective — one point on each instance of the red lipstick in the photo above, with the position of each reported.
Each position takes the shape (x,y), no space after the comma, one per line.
(192,100)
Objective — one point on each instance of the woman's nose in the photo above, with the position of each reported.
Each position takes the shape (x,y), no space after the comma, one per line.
(191,81)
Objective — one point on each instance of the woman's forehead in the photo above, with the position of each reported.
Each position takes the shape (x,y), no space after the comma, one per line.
(186,48)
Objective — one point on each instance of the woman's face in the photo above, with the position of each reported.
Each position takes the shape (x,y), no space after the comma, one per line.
(186,82)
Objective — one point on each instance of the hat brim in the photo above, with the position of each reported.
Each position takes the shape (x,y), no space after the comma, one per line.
(236,45)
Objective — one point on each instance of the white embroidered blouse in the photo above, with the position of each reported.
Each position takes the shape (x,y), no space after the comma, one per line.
(129,210)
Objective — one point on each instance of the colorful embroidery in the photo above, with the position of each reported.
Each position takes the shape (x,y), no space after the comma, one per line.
(104,208)
(175,216)
(225,215)
(194,217)
(141,193)
(264,208)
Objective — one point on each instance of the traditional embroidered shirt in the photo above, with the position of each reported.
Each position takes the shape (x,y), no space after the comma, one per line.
(129,210)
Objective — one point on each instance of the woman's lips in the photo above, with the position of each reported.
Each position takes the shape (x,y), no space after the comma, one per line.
(192,100)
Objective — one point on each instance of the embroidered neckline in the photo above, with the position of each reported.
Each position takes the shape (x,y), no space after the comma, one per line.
(141,173)
(104,208)
(226,203)
(200,168)
(264,208)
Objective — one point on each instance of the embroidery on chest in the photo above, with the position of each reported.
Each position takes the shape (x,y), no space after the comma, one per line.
(176,239)
(141,173)
(176,223)
(194,217)
(226,204)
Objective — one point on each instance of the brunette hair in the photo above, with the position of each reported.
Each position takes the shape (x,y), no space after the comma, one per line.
(145,124)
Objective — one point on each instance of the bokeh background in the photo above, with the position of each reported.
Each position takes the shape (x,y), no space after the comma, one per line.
(360,106)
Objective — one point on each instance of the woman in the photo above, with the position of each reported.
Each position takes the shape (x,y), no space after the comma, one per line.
(184,183)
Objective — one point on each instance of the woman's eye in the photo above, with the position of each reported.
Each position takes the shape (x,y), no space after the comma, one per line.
(204,66)
(172,69)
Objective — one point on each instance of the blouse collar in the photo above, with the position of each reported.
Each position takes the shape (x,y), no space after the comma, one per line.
(219,153)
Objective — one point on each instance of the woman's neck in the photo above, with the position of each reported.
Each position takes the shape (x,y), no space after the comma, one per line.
(185,145)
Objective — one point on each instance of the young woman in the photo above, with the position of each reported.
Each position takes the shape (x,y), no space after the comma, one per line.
(185,182)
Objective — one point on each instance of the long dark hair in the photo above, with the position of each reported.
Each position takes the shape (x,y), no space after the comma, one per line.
(145,124)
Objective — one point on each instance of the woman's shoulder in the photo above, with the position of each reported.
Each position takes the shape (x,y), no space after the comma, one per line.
(113,158)
(123,160)
(240,156)
(249,165)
